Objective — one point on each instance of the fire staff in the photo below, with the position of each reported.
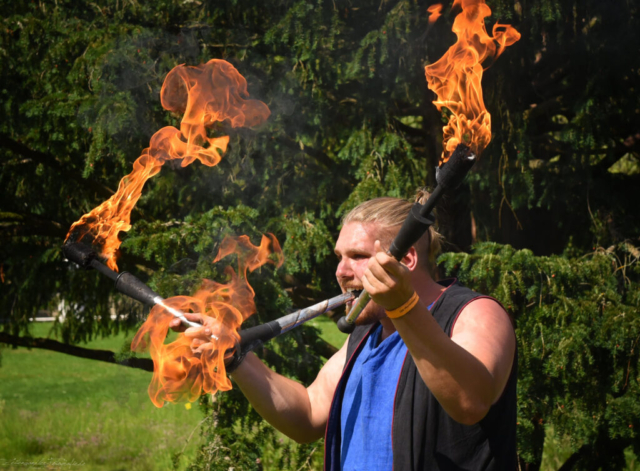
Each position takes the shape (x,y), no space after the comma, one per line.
(426,381)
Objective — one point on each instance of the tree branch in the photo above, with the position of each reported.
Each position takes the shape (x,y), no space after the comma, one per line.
(15,224)
(613,153)
(421,134)
(49,160)
(319,156)
(100,355)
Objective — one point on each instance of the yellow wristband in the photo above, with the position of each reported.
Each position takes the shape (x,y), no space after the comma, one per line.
(406,307)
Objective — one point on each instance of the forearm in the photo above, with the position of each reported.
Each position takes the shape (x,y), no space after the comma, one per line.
(282,402)
(461,383)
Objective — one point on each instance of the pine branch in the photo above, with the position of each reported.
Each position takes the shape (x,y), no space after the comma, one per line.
(319,156)
(100,355)
(554,147)
(13,224)
(51,161)
(413,132)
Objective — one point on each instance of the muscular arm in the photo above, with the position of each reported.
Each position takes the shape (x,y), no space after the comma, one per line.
(467,372)
(298,412)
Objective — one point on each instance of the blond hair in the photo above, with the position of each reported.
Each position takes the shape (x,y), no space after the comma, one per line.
(389,213)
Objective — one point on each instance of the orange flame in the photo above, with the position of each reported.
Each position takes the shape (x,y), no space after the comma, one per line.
(456,77)
(206,94)
(435,12)
(179,373)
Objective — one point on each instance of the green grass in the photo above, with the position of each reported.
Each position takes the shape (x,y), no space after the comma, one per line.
(328,331)
(59,408)
(56,408)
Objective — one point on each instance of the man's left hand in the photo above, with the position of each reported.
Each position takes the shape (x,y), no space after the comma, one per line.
(387,280)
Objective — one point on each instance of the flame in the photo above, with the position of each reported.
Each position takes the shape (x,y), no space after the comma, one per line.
(206,94)
(434,12)
(456,77)
(179,374)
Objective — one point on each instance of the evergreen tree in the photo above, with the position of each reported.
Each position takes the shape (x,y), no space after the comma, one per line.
(351,119)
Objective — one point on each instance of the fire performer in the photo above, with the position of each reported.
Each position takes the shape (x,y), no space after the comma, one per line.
(426,381)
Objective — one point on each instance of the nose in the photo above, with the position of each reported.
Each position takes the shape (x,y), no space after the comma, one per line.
(344,269)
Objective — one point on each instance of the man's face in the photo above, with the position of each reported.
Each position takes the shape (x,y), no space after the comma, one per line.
(354,248)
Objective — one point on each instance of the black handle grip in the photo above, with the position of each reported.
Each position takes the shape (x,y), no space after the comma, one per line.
(261,332)
(452,172)
(79,253)
(413,227)
(450,175)
(131,286)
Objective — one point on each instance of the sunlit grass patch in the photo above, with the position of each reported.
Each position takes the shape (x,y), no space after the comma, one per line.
(59,407)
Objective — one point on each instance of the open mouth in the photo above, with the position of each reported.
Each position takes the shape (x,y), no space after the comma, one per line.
(351,303)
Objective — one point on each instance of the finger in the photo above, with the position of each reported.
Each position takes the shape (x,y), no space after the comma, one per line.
(195,332)
(204,347)
(201,346)
(367,286)
(383,275)
(211,350)
(194,317)
(372,285)
(386,259)
(389,263)
(176,325)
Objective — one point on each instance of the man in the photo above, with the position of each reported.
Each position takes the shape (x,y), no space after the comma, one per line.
(426,381)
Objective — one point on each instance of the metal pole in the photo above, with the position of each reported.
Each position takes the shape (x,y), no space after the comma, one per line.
(284,324)
(131,286)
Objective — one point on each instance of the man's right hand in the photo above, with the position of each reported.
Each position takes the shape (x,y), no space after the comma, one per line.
(202,337)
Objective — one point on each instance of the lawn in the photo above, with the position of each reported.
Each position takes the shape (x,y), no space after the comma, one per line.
(68,412)
(59,408)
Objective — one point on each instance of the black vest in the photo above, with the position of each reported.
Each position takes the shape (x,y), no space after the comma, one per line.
(423,435)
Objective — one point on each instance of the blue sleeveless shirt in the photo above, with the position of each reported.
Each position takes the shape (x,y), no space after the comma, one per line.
(367,404)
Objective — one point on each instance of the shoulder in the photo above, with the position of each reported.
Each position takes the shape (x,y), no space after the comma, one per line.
(482,312)
(485,330)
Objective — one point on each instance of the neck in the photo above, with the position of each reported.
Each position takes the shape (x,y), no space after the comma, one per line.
(428,291)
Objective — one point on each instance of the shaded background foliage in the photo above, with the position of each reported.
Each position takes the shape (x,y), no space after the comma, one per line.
(351,119)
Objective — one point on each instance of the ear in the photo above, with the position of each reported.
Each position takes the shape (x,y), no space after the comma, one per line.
(411,259)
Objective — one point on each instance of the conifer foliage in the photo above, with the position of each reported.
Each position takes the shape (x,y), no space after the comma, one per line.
(577,330)
(351,119)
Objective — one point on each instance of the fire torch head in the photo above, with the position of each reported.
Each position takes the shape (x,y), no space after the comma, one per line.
(451,173)
(79,253)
